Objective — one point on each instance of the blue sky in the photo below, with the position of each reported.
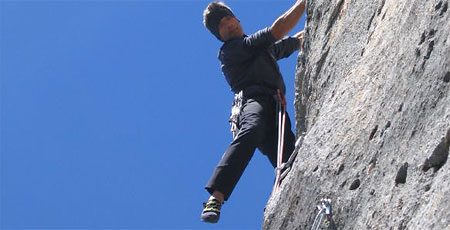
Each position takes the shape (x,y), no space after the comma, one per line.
(114,115)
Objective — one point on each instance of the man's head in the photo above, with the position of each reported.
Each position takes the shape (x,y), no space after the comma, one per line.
(220,21)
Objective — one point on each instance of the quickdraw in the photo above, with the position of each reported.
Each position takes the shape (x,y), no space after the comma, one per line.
(324,210)
(236,107)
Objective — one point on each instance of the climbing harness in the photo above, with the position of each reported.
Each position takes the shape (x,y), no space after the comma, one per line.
(324,210)
(236,107)
(281,107)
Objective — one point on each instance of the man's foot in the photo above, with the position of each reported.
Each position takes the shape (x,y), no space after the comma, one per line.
(211,211)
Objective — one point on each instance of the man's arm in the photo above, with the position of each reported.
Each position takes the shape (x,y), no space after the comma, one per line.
(286,46)
(300,35)
(288,20)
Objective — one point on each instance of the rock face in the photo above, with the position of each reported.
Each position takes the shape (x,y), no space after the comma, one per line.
(373,101)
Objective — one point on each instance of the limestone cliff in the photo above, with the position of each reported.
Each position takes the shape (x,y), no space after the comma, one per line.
(373,101)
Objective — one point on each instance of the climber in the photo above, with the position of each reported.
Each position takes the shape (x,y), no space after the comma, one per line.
(249,64)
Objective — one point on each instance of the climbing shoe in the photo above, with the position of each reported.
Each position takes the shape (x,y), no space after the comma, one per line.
(211,211)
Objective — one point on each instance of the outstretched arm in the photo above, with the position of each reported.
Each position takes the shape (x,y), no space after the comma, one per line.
(288,20)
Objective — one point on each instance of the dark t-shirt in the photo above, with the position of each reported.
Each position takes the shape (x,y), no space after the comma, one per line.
(252,60)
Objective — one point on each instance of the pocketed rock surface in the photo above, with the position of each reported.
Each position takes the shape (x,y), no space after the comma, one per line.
(373,104)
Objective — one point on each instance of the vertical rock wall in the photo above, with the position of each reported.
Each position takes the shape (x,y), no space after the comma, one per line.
(373,98)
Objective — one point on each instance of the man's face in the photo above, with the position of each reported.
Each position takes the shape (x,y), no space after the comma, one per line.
(229,27)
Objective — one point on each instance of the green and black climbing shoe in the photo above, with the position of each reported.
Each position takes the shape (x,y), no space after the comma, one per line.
(211,211)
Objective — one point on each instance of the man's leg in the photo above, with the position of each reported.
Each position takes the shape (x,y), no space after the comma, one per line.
(269,146)
(218,196)
(237,156)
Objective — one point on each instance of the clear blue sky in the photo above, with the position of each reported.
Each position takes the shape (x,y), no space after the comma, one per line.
(115,113)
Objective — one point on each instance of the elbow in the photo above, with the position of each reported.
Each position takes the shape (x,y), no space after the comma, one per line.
(277,35)
(279,28)
(276,32)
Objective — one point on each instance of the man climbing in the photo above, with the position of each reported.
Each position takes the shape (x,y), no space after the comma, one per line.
(249,64)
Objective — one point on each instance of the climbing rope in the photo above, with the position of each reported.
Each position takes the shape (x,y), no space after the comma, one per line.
(282,169)
(324,210)
(281,105)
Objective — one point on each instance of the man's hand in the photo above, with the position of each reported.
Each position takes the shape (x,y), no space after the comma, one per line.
(300,35)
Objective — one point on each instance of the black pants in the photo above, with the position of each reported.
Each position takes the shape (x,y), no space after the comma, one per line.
(258,129)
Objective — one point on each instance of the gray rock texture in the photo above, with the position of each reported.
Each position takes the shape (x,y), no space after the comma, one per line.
(373,101)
